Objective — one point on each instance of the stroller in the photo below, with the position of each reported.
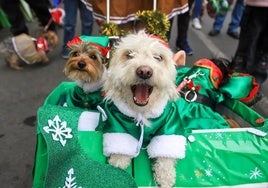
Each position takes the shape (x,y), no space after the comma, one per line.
(67,157)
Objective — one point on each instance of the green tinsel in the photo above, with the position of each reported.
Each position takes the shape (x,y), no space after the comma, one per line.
(155,22)
(112,29)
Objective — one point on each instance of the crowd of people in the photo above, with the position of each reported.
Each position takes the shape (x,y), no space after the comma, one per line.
(248,16)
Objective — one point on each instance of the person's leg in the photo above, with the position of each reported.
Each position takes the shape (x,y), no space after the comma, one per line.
(41,10)
(218,22)
(183,21)
(261,55)
(15,16)
(70,7)
(197,8)
(86,19)
(251,28)
(236,15)
(196,14)
(182,38)
(217,25)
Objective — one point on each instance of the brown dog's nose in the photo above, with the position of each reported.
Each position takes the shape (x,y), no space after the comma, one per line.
(144,72)
(81,64)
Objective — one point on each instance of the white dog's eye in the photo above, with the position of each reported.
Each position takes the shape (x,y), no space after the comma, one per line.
(130,54)
(158,57)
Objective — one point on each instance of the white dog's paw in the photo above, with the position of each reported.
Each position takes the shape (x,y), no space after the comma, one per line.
(119,160)
(165,172)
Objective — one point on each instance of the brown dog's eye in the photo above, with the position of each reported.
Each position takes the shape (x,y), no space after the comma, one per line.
(158,57)
(75,54)
(93,57)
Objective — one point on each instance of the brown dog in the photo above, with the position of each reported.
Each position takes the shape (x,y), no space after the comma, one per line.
(86,66)
(24,48)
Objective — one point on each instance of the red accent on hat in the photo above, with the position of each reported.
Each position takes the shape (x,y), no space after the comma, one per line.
(159,40)
(75,40)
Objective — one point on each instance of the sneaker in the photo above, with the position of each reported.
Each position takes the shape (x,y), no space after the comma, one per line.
(65,54)
(196,24)
(185,47)
(233,34)
(214,32)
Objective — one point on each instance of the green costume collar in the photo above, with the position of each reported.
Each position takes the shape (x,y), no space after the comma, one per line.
(85,100)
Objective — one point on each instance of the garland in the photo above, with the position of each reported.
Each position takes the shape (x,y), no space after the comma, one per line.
(155,22)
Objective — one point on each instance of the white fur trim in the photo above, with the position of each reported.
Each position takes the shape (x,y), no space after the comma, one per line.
(167,146)
(88,121)
(119,143)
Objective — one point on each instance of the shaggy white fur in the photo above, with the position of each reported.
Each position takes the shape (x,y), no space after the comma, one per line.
(140,83)
(132,52)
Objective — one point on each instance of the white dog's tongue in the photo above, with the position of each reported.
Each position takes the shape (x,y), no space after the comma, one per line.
(141,94)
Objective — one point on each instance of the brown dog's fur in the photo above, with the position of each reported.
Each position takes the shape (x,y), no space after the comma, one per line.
(86,66)
(13,59)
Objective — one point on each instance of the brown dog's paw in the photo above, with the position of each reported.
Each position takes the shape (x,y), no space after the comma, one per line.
(46,60)
(119,160)
(13,62)
(165,172)
(16,67)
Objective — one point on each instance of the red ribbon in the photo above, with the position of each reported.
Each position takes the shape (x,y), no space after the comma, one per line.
(41,44)
(77,40)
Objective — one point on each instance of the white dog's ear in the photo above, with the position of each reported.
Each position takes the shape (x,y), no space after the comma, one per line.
(180,58)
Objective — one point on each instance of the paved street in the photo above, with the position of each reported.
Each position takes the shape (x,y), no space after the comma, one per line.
(22,92)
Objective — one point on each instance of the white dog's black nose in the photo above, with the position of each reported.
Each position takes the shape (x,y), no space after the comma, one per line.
(81,64)
(144,72)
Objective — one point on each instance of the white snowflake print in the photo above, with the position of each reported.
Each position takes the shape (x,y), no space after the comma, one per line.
(219,135)
(70,180)
(255,173)
(208,172)
(59,130)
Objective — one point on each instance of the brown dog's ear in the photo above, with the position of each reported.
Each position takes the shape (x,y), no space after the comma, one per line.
(180,58)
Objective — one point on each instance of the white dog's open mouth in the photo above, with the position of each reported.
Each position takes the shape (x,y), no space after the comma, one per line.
(141,94)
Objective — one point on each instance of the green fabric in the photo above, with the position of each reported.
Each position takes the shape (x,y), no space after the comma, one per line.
(198,116)
(237,87)
(216,158)
(100,40)
(221,157)
(206,87)
(249,115)
(195,115)
(4,20)
(71,95)
(167,124)
(26,10)
(78,98)
(65,157)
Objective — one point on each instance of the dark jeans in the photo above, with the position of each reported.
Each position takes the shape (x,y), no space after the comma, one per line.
(253,42)
(16,17)
(72,7)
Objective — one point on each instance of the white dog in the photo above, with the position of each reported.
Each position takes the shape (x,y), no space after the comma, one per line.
(140,94)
